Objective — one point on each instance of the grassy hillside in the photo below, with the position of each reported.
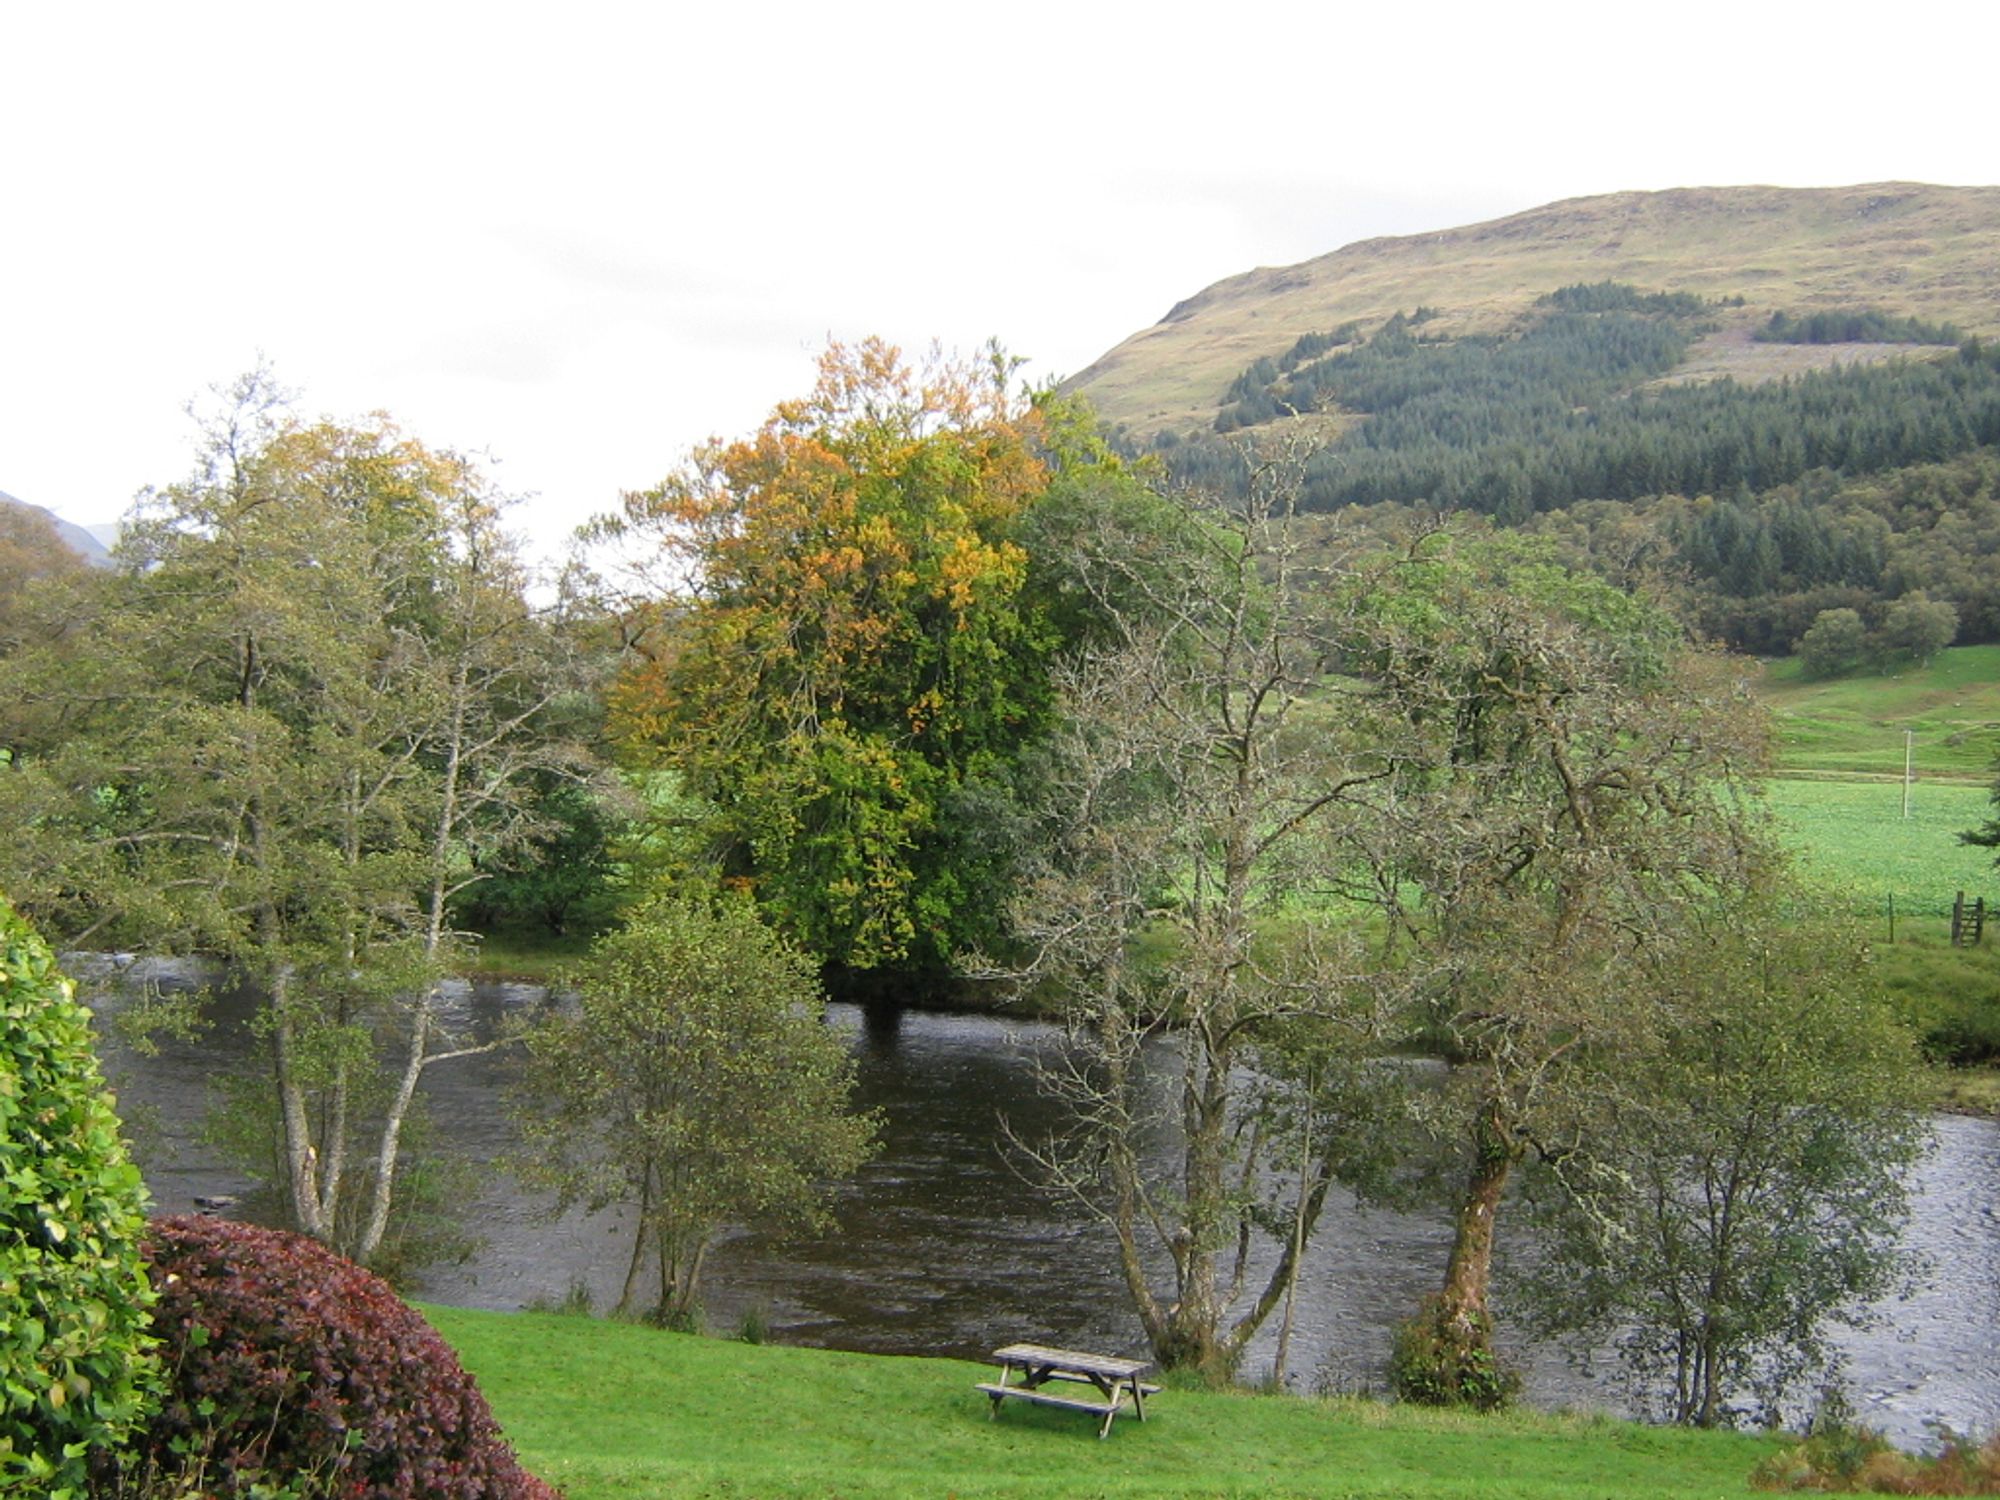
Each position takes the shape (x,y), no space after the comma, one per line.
(1852,727)
(1903,248)
(1840,785)
(1839,801)
(606,1410)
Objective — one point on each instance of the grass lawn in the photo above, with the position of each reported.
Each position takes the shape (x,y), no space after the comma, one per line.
(1859,851)
(1839,792)
(607,1409)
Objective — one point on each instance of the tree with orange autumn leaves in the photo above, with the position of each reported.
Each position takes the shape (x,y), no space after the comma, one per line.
(852,655)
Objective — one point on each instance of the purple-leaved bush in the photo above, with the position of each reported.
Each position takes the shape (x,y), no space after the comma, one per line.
(285,1362)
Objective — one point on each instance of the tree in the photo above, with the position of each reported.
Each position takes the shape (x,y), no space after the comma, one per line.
(568,880)
(1918,626)
(76,1364)
(696,1079)
(1987,835)
(31,552)
(1187,793)
(310,698)
(845,657)
(1743,1177)
(1834,643)
(1569,781)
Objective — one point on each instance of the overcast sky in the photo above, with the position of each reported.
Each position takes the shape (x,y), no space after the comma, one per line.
(580,239)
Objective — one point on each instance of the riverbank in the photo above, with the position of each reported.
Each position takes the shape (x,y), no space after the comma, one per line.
(613,1410)
(1951,996)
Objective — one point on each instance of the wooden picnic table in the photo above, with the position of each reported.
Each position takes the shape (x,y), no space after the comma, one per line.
(1116,1381)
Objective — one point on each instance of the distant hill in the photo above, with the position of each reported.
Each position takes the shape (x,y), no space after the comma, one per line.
(1776,404)
(1904,249)
(78,540)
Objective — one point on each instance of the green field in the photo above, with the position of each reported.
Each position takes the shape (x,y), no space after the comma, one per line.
(1855,845)
(1839,803)
(1853,727)
(1840,793)
(613,1410)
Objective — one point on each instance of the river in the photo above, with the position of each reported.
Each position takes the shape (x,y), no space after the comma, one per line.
(940,1246)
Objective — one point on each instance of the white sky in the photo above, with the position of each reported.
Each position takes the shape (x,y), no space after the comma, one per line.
(582,238)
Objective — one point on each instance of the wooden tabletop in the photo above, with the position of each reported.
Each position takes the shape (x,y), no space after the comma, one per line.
(1110,1367)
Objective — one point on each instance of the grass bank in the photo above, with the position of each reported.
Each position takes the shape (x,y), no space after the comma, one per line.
(527,957)
(1853,726)
(611,1410)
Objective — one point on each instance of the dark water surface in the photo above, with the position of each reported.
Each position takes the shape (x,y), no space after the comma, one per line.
(940,1246)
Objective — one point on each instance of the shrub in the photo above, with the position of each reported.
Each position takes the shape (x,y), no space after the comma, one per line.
(1918,626)
(1434,1364)
(285,1361)
(1844,1459)
(1839,1455)
(75,1359)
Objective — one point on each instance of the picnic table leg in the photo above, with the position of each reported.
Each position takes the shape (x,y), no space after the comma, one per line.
(993,1412)
(1113,1393)
(1138,1399)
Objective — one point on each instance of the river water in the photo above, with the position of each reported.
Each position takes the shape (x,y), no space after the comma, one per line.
(941,1246)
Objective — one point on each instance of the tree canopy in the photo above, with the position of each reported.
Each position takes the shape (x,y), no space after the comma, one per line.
(848,660)
(1570,779)
(281,733)
(1743,1174)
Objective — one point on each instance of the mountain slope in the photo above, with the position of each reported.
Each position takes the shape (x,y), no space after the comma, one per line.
(1907,249)
(74,537)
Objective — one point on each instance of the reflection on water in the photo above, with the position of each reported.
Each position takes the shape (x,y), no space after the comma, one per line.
(940,1246)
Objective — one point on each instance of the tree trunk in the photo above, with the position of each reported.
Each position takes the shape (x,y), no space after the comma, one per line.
(1468,1274)
(382,1195)
(1445,1356)
(301,1161)
(333,1152)
(1122,1165)
(1295,1251)
(638,1262)
(1194,1324)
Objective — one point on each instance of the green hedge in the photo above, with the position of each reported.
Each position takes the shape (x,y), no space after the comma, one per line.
(76,1362)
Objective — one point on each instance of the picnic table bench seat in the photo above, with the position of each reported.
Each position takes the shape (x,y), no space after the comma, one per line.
(1114,1379)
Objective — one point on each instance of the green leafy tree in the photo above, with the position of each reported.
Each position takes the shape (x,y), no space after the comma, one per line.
(694,1081)
(566,881)
(1569,778)
(1742,1178)
(283,734)
(76,1363)
(1836,642)
(1918,626)
(845,662)
(1188,795)
(31,552)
